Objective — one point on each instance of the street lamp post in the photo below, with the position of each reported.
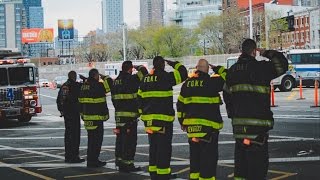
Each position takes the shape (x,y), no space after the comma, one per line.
(124,40)
(250,19)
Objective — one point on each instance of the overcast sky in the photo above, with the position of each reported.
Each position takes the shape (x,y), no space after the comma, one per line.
(86,13)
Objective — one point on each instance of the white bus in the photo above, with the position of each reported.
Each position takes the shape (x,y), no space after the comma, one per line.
(305,59)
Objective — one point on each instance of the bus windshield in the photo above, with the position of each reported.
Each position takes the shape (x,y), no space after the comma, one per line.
(21,75)
(3,77)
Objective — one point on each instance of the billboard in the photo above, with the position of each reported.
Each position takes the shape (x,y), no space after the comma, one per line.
(65,29)
(36,35)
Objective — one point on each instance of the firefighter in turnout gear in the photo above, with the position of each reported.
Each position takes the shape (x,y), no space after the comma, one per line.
(198,109)
(156,106)
(94,112)
(124,99)
(68,105)
(248,105)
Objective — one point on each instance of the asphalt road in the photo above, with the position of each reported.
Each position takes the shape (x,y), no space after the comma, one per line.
(35,150)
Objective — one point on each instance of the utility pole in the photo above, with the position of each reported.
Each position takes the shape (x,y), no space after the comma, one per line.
(250,19)
(124,40)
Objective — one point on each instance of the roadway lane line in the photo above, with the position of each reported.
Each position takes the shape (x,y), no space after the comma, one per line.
(23,154)
(36,162)
(30,173)
(25,157)
(182,170)
(88,175)
(54,168)
(48,96)
(292,94)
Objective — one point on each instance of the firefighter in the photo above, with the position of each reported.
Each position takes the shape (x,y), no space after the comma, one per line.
(248,105)
(94,112)
(68,105)
(198,109)
(124,99)
(156,97)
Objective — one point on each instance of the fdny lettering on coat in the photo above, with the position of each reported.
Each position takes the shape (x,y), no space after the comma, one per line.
(151,79)
(117,82)
(193,129)
(195,83)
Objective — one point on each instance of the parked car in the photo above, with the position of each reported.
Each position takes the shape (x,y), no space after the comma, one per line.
(44,83)
(59,80)
(308,78)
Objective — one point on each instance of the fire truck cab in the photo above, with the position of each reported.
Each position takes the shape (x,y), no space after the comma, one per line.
(19,96)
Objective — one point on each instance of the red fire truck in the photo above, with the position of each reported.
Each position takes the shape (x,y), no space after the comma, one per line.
(19,95)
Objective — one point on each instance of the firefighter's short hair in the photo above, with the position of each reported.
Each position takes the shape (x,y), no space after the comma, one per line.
(127,65)
(158,62)
(248,46)
(72,75)
(93,72)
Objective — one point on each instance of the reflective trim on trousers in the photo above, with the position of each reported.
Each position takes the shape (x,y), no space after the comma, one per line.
(252,122)
(163,171)
(152,169)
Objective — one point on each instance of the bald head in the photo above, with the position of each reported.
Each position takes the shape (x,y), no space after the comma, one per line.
(203,66)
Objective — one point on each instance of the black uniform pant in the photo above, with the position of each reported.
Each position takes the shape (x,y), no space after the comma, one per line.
(160,150)
(204,157)
(126,142)
(95,138)
(251,161)
(72,136)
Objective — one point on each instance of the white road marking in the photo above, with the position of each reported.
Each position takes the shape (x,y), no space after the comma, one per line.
(48,96)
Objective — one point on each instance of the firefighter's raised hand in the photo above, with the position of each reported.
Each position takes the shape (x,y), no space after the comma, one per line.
(82,77)
(102,76)
(212,66)
(170,63)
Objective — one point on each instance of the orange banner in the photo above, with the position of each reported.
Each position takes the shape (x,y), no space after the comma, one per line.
(36,35)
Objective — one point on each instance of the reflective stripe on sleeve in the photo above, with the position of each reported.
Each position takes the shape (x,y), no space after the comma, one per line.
(156,94)
(126,114)
(252,122)
(198,135)
(211,178)
(124,96)
(95,117)
(194,175)
(140,75)
(177,76)
(161,117)
(92,100)
(204,122)
(152,169)
(176,67)
(242,136)
(163,171)
(250,88)
(200,100)
(106,85)
(181,114)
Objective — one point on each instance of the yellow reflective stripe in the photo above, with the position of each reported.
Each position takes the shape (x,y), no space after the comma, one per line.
(106,85)
(149,94)
(203,122)
(163,171)
(95,117)
(140,111)
(126,114)
(176,67)
(211,178)
(127,162)
(92,100)
(221,69)
(200,100)
(224,75)
(252,122)
(152,128)
(161,117)
(191,135)
(140,75)
(242,136)
(239,178)
(152,168)
(194,175)
(181,114)
(250,88)
(90,127)
(177,76)
(124,96)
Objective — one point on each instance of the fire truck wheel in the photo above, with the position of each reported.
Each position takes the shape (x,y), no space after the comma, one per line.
(25,118)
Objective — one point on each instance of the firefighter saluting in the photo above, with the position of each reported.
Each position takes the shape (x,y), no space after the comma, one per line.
(94,112)
(124,98)
(198,109)
(156,97)
(248,105)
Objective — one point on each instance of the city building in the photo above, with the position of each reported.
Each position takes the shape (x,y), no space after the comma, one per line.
(243,4)
(309,3)
(190,12)
(33,13)
(151,11)
(11,13)
(112,15)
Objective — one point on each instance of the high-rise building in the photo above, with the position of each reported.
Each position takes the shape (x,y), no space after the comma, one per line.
(112,15)
(11,13)
(151,11)
(33,13)
(189,13)
(36,17)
